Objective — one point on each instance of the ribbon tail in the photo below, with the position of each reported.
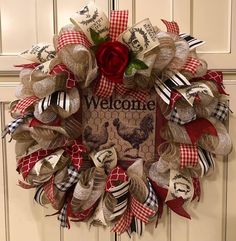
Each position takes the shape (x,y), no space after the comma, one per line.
(25,185)
(124,222)
(176,205)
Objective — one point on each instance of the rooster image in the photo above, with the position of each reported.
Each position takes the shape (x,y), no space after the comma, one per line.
(135,135)
(95,140)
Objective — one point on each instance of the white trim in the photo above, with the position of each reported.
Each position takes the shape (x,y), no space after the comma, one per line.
(229,82)
(5,84)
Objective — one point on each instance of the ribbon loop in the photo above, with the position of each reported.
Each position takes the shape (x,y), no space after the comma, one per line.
(91,17)
(105,158)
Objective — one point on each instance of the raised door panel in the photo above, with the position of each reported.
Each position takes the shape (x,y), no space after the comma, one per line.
(21,217)
(231,168)
(23,23)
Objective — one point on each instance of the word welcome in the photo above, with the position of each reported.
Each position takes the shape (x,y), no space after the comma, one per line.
(118,104)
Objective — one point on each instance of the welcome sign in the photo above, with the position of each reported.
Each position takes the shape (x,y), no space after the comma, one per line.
(125,123)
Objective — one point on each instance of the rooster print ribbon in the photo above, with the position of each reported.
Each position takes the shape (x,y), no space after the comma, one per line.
(175,204)
(106,158)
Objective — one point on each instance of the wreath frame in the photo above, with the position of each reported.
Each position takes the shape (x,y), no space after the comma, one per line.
(126,65)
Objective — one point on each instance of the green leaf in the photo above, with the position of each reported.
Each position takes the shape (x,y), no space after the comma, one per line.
(135,64)
(96,37)
(139,64)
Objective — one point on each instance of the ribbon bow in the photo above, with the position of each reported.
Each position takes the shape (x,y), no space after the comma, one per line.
(135,209)
(175,204)
(118,24)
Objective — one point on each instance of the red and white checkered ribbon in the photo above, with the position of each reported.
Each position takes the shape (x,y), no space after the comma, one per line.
(60,68)
(136,209)
(72,37)
(191,65)
(118,23)
(104,87)
(23,104)
(172,27)
(188,155)
(138,94)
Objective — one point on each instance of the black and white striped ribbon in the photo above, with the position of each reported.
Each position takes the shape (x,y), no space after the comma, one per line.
(206,160)
(38,197)
(164,89)
(193,42)
(137,226)
(120,193)
(59,98)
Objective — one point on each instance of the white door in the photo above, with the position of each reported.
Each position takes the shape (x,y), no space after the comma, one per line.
(24,22)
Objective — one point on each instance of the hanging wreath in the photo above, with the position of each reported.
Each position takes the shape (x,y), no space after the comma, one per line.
(114,122)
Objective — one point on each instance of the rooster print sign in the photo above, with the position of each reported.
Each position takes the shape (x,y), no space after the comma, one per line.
(125,123)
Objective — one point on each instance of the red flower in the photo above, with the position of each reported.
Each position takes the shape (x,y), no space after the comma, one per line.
(112,59)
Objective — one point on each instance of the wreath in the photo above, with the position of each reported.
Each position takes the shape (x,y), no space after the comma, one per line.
(114,122)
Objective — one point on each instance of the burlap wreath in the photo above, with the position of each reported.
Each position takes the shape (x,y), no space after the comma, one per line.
(72,166)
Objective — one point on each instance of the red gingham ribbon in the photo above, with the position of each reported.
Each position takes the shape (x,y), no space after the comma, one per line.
(124,222)
(23,104)
(140,211)
(118,23)
(104,87)
(191,65)
(136,209)
(70,81)
(72,37)
(25,164)
(139,94)
(188,155)
(172,27)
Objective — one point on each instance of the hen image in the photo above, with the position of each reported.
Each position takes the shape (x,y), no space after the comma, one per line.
(95,140)
(135,135)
